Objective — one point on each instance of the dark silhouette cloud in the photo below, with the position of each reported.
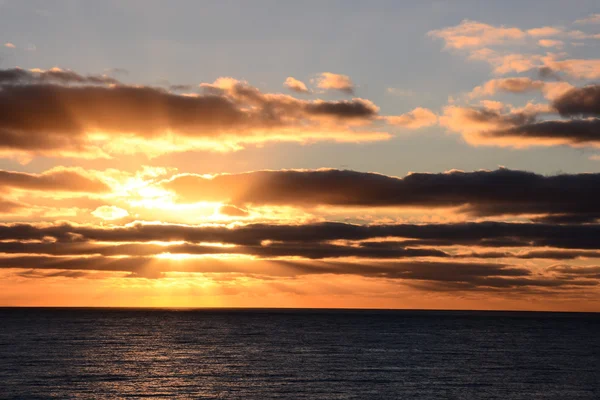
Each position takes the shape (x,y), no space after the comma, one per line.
(485,234)
(570,197)
(55,110)
(583,101)
(444,276)
(273,250)
(356,108)
(572,272)
(573,131)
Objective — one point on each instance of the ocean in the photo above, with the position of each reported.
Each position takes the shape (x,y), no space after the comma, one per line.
(87,353)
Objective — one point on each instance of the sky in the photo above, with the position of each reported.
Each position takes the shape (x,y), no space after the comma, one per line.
(382,154)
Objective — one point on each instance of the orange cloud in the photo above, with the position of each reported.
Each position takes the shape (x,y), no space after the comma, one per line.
(551,43)
(545,31)
(505,63)
(520,127)
(328,81)
(577,68)
(512,85)
(551,90)
(592,19)
(295,85)
(472,34)
(418,118)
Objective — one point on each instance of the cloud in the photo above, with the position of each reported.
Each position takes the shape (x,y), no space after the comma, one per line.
(442,276)
(491,44)
(570,272)
(9,207)
(583,101)
(272,250)
(312,240)
(504,63)
(37,274)
(545,31)
(520,128)
(295,85)
(18,76)
(572,132)
(511,85)
(116,71)
(179,88)
(55,179)
(233,211)
(577,68)
(418,118)
(591,19)
(78,119)
(10,45)
(551,43)
(472,34)
(297,245)
(110,213)
(480,193)
(554,90)
(355,108)
(473,122)
(517,85)
(399,92)
(331,81)
(535,254)
(548,73)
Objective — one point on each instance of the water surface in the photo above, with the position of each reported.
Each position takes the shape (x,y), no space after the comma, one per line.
(297,354)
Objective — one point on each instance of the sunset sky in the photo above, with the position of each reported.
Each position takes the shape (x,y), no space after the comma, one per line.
(379,154)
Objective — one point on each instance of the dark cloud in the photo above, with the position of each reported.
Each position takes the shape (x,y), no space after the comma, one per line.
(571,197)
(523,127)
(55,110)
(536,254)
(548,73)
(355,108)
(50,115)
(442,275)
(293,250)
(57,179)
(583,101)
(572,272)
(485,234)
(573,131)
(579,218)
(18,76)
(273,250)
(34,273)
